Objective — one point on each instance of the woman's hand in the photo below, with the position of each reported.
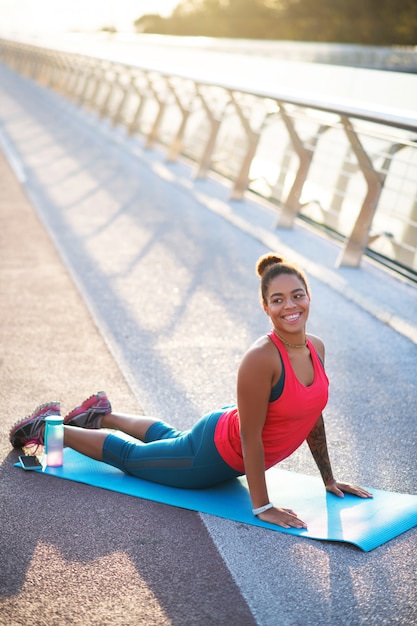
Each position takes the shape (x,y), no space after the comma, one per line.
(282,517)
(339,489)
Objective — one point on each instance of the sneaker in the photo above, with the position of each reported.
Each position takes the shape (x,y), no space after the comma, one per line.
(29,430)
(90,413)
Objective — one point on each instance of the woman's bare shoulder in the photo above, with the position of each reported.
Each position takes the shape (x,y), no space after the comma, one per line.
(258,371)
(261,346)
(262,353)
(318,344)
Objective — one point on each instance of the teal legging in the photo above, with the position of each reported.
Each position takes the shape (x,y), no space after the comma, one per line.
(187,459)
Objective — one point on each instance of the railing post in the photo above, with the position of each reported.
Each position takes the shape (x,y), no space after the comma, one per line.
(72,78)
(111,81)
(215,123)
(409,236)
(41,69)
(152,135)
(83,83)
(242,179)
(291,206)
(127,90)
(133,124)
(175,147)
(252,136)
(97,76)
(347,170)
(51,67)
(62,71)
(355,246)
(284,166)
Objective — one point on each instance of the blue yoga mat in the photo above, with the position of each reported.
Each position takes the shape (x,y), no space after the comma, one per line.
(364,523)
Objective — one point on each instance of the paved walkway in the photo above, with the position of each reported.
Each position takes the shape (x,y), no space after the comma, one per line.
(70,553)
(120,272)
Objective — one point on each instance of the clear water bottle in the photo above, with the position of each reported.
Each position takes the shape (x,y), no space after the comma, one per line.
(54,441)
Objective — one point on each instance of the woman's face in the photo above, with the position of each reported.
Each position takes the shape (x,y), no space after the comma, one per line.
(287,304)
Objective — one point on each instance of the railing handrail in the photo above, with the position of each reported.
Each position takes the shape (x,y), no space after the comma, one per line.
(402,119)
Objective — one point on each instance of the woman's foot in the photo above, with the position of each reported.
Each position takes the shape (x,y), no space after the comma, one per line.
(30,430)
(91,412)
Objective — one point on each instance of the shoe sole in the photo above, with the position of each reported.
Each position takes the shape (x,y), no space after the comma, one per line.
(38,412)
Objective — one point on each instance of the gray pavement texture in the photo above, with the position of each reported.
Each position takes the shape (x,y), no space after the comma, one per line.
(121,271)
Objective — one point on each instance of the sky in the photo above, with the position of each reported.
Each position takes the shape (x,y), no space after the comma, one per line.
(62,15)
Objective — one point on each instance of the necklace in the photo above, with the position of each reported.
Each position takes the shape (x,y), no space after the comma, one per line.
(292,345)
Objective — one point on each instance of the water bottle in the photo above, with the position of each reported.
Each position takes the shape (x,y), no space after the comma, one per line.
(54,441)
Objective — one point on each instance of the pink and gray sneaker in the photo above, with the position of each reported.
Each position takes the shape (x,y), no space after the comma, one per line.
(29,431)
(90,413)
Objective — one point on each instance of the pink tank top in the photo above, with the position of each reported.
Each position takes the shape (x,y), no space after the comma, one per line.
(289,419)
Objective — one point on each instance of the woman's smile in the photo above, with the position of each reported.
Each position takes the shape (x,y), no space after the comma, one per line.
(291,318)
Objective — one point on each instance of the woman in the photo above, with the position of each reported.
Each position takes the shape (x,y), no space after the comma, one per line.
(282,389)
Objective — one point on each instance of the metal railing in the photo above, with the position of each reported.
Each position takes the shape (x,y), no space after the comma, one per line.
(350,171)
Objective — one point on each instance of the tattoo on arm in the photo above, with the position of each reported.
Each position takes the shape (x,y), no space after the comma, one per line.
(318,447)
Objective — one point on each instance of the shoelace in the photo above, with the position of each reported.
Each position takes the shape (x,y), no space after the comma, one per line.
(34,442)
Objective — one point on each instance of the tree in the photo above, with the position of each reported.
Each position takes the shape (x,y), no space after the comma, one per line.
(376,22)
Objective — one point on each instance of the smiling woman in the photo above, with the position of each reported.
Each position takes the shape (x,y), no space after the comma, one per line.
(38,16)
(282,389)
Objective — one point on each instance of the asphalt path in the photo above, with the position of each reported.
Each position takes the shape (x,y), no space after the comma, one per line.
(119,271)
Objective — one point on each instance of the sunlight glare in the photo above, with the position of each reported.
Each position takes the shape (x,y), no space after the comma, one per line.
(46,16)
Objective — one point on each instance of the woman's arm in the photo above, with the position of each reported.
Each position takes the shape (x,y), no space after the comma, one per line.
(255,378)
(318,446)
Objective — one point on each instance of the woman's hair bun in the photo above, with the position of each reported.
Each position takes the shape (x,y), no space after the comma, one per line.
(266,261)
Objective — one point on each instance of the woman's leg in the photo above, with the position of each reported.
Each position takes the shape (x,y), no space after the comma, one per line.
(88,442)
(186,459)
(133,425)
